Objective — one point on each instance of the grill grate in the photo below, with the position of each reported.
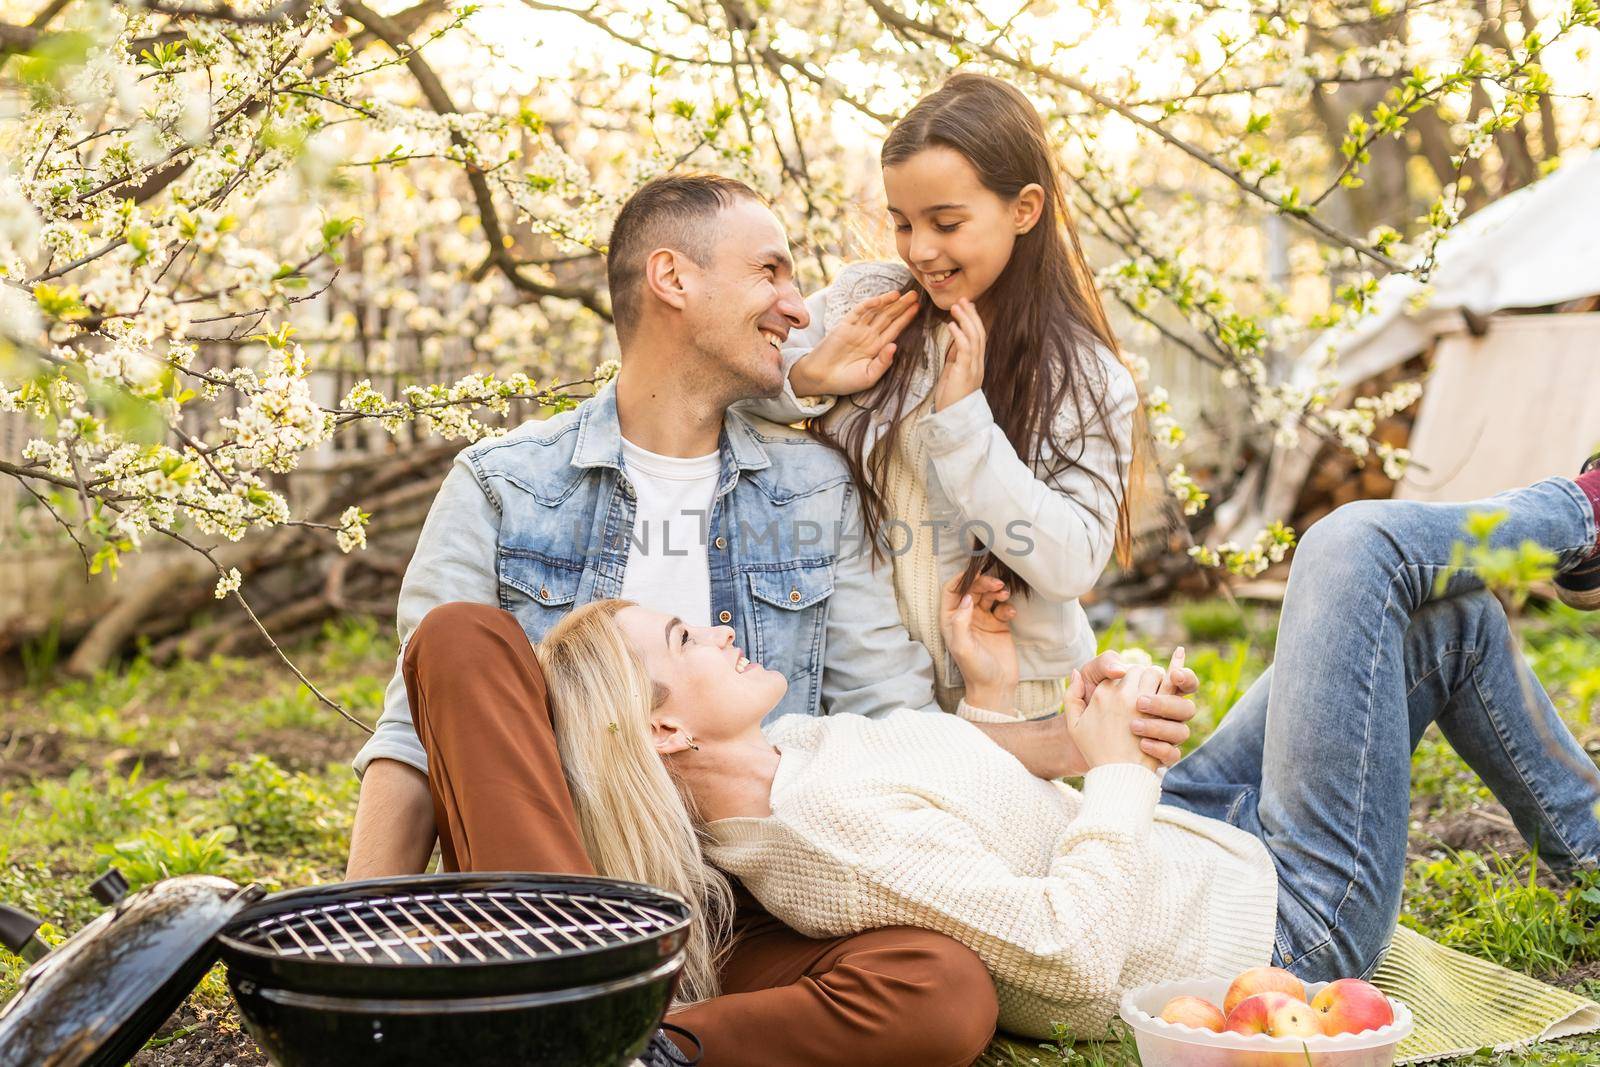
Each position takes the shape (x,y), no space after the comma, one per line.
(472,926)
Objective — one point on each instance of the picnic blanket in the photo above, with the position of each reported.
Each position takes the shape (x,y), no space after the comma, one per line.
(1460,1004)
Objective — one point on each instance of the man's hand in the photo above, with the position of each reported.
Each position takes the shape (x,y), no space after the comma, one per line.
(856,352)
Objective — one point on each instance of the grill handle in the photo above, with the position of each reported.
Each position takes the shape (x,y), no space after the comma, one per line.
(17,934)
(109,888)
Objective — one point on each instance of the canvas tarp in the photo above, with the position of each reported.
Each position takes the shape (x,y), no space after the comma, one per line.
(1508,408)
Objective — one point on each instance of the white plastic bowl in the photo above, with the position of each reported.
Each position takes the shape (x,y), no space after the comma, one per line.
(1163,1044)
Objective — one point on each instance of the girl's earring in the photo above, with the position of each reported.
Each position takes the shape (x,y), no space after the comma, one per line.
(690,742)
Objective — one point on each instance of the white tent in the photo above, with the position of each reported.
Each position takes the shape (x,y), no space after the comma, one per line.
(1533,248)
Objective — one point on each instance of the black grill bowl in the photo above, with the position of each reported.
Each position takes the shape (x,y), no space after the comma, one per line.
(554,970)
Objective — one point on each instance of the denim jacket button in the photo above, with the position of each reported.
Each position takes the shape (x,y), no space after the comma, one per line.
(721,543)
(794,595)
(544,593)
(725,616)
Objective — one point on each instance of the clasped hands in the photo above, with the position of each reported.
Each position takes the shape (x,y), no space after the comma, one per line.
(1114,712)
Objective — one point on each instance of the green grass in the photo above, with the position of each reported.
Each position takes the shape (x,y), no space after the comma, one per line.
(1497,908)
(225,767)
(228,766)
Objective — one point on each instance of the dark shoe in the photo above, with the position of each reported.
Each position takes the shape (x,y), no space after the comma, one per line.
(1580,587)
(663,1052)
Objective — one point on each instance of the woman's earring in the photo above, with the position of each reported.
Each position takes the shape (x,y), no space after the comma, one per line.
(690,742)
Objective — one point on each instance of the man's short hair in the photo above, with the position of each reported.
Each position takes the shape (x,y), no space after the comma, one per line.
(673,211)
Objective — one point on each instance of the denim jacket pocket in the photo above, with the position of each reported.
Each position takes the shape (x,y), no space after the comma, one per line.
(789,606)
(537,589)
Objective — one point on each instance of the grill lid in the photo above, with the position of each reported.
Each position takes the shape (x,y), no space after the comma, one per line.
(97,998)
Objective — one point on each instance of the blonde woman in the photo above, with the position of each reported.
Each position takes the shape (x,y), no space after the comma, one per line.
(1281,839)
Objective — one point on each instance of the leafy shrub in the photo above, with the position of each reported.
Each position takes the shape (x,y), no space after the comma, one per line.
(1213,620)
(354,640)
(1560,649)
(297,710)
(1224,677)
(155,855)
(279,811)
(1440,774)
(83,809)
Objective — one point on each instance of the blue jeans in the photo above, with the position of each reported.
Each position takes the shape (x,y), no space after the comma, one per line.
(1315,759)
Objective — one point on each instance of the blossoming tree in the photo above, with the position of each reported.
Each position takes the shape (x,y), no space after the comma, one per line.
(200,206)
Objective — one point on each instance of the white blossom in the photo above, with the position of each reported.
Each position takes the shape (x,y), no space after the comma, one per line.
(228,583)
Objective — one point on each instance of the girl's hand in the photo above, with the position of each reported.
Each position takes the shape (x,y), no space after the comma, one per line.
(977,631)
(856,352)
(1101,724)
(963,362)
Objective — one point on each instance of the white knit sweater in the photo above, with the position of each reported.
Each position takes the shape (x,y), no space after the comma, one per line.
(1069,897)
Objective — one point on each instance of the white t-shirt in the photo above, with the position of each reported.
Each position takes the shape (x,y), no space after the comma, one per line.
(667,556)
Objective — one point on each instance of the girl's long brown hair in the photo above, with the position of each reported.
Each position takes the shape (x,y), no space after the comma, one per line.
(1043,314)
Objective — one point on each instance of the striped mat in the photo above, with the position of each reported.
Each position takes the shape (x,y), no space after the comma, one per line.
(1460,1003)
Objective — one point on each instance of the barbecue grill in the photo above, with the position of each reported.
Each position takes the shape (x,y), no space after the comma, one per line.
(472,968)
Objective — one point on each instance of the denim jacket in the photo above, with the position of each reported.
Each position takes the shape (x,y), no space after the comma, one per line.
(538,522)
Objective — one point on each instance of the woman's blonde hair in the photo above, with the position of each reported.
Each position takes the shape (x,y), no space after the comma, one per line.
(637,823)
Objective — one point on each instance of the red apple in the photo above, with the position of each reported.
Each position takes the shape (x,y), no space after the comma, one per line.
(1351,1006)
(1262,980)
(1193,1011)
(1276,1015)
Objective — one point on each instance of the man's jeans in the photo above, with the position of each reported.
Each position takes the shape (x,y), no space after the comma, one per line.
(1379,638)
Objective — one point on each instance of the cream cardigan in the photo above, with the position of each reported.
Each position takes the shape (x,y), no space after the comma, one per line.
(1069,897)
(957,470)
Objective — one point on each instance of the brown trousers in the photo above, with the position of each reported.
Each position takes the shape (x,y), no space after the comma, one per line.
(884,998)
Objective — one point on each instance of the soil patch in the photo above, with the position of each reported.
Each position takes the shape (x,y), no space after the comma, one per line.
(309,750)
(1580,973)
(213,1042)
(1486,829)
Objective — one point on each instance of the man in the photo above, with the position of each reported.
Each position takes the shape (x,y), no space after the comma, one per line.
(654,491)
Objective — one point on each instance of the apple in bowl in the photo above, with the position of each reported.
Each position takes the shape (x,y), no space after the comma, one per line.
(1262,980)
(1351,1006)
(1196,1012)
(1275,1015)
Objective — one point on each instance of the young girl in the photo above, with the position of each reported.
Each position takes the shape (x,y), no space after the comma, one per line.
(1281,839)
(1000,440)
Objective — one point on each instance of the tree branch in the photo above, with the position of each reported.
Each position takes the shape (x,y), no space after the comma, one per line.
(438,98)
(894,18)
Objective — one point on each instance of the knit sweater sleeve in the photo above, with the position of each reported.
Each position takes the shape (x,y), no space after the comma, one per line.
(1064,936)
(1057,528)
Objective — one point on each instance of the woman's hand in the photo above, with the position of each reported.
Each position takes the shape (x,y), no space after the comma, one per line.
(963,361)
(1101,723)
(977,631)
(856,352)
